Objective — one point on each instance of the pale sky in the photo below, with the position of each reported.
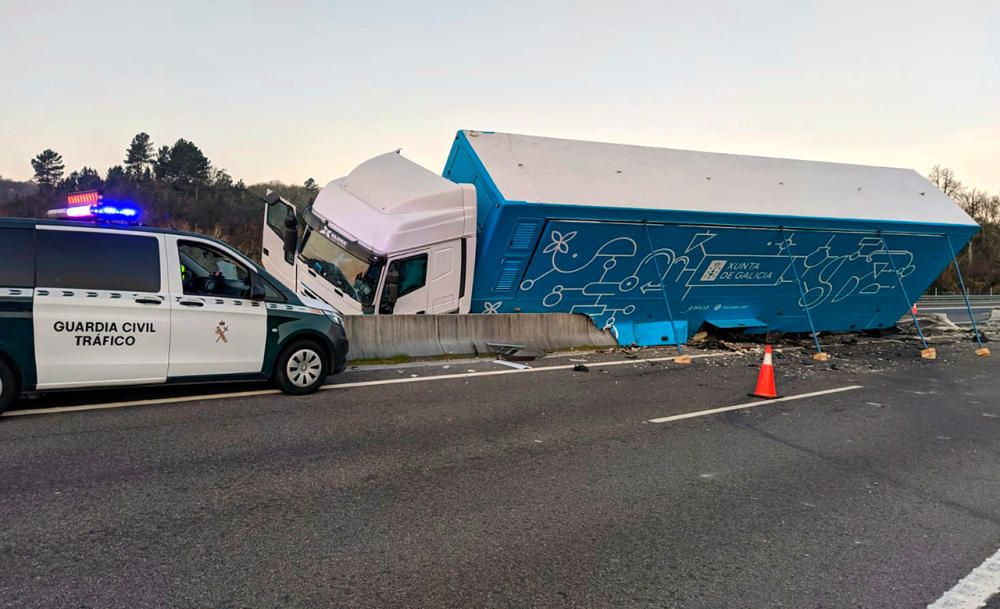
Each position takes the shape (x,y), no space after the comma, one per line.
(290,90)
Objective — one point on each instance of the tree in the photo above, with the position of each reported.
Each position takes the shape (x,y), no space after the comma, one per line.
(311,185)
(139,155)
(161,167)
(187,164)
(48,166)
(89,179)
(116,178)
(983,249)
(85,179)
(221,179)
(69,182)
(944,179)
(983,209)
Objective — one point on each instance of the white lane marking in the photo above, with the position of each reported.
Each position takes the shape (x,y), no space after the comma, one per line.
(150,402)
(973,590)
(789,398)
(240,394)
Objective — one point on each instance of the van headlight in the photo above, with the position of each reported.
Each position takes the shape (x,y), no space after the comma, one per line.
(335,317)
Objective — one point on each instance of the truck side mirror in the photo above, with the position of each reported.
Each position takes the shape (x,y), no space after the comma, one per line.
(290,237)
(390,292)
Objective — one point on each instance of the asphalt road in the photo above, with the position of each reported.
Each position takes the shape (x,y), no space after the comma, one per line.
(539,489)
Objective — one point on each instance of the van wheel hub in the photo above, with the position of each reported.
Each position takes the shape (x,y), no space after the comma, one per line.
(304,367)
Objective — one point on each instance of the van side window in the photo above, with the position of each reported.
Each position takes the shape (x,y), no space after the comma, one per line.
(17,257)
(271,293)
(207,271)
(89,260)
(412,274)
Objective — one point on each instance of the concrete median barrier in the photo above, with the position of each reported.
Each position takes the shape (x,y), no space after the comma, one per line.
(383,336)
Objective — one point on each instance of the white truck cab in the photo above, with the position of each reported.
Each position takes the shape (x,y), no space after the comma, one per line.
(390,237)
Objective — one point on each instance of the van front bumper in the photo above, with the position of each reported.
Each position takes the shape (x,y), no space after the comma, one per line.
(340,345)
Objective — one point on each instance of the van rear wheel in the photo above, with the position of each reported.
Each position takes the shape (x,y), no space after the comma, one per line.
(8,385)
(301,368)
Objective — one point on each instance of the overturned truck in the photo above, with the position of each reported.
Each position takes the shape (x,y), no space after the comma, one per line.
(650,243)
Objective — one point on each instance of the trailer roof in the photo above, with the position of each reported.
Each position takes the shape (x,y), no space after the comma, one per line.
(551,170)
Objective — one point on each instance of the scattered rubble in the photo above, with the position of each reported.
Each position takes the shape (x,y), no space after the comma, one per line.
(930,323)
(859,352)
(516,353)
(992,323)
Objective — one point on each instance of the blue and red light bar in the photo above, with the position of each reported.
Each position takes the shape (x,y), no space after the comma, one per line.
(90,205)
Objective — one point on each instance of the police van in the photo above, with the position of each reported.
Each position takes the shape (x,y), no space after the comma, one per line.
(91,305)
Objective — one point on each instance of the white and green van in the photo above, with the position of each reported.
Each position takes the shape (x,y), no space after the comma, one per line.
(85,305)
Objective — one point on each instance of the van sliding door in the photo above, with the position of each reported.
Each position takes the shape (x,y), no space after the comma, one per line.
(101,315)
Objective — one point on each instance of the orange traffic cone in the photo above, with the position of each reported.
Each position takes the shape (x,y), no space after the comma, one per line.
(765,380)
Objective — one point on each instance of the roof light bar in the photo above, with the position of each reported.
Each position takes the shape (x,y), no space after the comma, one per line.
(103,212)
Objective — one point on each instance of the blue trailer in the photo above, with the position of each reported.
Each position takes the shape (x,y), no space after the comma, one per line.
(651,243)
(654,243)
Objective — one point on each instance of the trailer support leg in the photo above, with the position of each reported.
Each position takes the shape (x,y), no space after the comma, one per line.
(663,292)
(927,352)
(820,355)
(982,350)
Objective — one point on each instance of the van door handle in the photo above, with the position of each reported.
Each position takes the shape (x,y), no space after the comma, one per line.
(266,253)
(190,302)
(147,300)
(312,272)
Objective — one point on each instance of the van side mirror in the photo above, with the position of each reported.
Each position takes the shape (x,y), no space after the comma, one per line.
(257,292)
(290,236)
(390,293)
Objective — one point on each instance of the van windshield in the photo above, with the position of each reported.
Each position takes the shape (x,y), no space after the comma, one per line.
(356,276)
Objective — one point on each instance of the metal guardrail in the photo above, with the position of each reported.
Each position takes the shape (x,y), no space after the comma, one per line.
(977,300)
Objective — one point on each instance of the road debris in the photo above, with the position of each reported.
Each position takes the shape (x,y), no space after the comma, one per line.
(930,323)
(512,352)
(992,323)
(858,352)
(515,365)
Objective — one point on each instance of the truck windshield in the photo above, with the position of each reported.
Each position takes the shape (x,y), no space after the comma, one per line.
(356,276)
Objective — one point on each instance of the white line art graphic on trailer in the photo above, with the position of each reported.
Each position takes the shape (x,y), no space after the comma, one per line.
(492,308)
(698,268)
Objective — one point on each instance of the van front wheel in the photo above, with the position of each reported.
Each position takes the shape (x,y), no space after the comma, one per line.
(301,368)
(8,385)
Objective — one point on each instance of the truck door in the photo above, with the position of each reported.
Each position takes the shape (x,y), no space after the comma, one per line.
(444,278)
(216,327)
(101,315)
(279,240)
(405,288)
